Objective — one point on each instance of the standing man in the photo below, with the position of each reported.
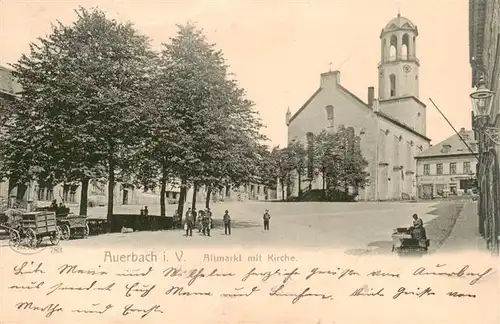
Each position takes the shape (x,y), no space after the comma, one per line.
(209,213)
(266,218)
(206,224)
(189,222)
(227,223)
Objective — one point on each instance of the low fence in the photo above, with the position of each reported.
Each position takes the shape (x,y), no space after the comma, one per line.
(136,222)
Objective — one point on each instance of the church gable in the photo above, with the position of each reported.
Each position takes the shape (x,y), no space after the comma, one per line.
(392,26)
(328,108)
(305,105)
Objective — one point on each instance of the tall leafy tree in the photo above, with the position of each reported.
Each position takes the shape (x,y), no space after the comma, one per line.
(217,123)
(353,171)
(297,155)
(82,88)
(326,156)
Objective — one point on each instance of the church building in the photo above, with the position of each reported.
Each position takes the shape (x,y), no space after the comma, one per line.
(392,127)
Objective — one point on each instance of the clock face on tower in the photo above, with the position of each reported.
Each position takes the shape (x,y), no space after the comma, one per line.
(407,68)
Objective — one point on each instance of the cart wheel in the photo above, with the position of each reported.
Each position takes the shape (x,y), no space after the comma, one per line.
(31,238)
(86,231)
(56,236)
(14,237)
(65,232)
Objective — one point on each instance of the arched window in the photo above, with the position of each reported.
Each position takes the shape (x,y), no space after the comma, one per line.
(392,81)
(394,47)
(310,155)
(414,49)
(384,45)
(329,115)
(405,49)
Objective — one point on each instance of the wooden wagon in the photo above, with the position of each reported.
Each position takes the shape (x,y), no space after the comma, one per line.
(73,226)
(34,227)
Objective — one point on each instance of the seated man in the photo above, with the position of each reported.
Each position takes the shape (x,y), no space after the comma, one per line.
(417,231)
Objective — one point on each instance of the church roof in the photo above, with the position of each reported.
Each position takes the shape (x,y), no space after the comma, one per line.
(364,104)
(451,146)
(399,22)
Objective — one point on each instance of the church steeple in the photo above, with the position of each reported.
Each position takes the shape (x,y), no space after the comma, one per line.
(288,116)
(398,68)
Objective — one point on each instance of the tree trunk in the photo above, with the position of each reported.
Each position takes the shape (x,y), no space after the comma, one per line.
(193,203)
(323,174)
(182,197)
(111,190)
(21,190)
(163,193)
(84,197)
(300,181)
(207,200)
(282,190)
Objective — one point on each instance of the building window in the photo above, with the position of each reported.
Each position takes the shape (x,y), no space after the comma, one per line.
(405,50)
(45,194)
(393,51)
(439,168)
(453,168)
(392,81)
(427,169)
(467,167)
(329,115)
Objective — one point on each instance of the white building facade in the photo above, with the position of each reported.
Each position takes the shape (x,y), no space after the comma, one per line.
(448,168)
(392,127)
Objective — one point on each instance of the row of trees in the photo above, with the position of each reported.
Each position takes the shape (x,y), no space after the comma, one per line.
(99,103)
(335,157)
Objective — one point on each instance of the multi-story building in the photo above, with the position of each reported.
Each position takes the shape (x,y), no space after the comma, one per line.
(484,43)
(448,168)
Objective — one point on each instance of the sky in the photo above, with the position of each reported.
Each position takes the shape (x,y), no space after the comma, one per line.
(277,49)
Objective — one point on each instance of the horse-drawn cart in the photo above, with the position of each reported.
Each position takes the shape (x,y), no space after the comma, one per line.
(73,226)
(33,227)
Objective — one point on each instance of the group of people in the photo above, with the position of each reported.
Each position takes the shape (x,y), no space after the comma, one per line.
(203,220)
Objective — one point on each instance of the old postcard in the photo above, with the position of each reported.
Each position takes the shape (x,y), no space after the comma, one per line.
(243,161)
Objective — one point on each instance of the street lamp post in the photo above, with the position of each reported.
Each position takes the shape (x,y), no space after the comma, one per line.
(482,101)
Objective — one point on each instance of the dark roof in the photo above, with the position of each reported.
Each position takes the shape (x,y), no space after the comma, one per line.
(455,146)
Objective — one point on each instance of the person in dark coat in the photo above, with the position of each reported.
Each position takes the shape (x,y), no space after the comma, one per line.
(227,223)
(189,222)
(417,230)
(266,218)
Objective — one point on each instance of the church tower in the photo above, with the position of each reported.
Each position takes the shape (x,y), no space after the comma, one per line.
(399,73)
